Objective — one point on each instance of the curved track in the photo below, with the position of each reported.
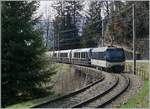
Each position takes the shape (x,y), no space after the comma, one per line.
(95,95)
(71,94)
(123,87)
(100,100)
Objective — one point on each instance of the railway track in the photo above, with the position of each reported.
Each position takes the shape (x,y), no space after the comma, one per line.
(70,94)
(72,99)
(100,100)
(123,88)
(95,95)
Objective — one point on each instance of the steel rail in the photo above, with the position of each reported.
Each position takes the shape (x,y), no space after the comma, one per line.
(79,105)
(121,91)
(71,93)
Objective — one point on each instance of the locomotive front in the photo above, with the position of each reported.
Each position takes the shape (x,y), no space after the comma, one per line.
(115,59)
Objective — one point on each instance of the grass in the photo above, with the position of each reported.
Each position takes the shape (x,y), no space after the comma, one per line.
(139,100)
(32,103)
(133,102)
(142,65)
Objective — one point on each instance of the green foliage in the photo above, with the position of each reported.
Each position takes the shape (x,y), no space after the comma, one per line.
(66,32)
(24,65)
(34,102)
(89,37)
(93,28)
(123,16)
(139,100)
(142,68)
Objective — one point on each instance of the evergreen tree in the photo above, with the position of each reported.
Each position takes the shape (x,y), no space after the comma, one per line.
(24,65)
(93,28)
(56,25)
(69,38)
(68,13)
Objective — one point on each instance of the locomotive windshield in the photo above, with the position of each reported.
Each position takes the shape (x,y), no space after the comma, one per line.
(115,55)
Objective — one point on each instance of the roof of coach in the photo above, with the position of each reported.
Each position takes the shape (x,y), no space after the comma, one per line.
(98,49)
(48,52)
(101,49)
(64,51)
(82,50)
(55,51)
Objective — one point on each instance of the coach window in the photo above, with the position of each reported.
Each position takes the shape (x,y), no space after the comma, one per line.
(61,54)
(65,55)
(104,56)
(54,54)
(83,55)
(101,55)
(98,55)
(86,55)
(79,55)
(95,55)
(76,55)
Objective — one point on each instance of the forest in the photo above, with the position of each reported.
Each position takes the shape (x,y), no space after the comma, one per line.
(100,23)
(77,24)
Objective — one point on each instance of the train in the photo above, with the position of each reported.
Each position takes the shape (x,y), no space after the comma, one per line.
(111,59)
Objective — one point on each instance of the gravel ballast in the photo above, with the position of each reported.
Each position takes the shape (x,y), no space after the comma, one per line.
(98,88)
(135,84)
